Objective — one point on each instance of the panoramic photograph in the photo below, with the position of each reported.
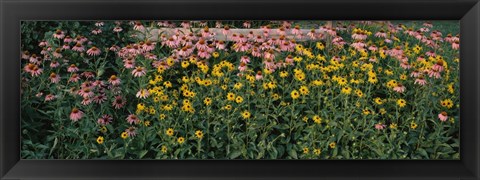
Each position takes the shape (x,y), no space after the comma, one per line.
(247,90)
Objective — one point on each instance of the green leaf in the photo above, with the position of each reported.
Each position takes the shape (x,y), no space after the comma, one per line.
(235,153)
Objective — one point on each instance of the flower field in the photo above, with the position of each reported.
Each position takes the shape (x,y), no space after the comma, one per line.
(240,90)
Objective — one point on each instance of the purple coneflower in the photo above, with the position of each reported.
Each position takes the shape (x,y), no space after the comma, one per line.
(118,102)
(105,120)
(76,115)
(132,118)
(94,51)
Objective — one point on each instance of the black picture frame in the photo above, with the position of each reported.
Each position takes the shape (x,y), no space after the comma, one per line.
(13,11)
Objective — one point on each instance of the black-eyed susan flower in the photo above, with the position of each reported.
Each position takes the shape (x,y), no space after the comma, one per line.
(304,90)
(180,140)
(239,99)
(246,114)
(401,103)
(169,131)
(316,119)
(346,90)
(413,125)
(231,97)
(199,134)
(164,149)
(316,151)
(332,145)
(295,94)
(207,101)
(100,140)
(305,150)
(124,135)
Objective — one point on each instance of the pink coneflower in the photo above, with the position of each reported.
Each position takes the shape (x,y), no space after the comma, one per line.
(289,59)
(49,97)
(131,132)
(65,46)
(258,76)
(226,30)
(99,23)
(72,68)
(76,115)
(114,48)
(57,53)
(185,24)
(88,74)
(117,29)
(100,98)
(43,43)
(443,116)
(434,73)
(143,93)
(96,31)
(114,80)
(312,34)
(129,63)
(132,118)
(54,78)
(456,45)
(220,45)
(139,71)
(421,81)
(438,66)
(421,58)
(242,67)
(379,126)
(59,34)
(118,102)
(85,92)
(74,78)
(381,34)
(415,73)
(430,53)
(86,101)
(78,47)
(94,51)
(148,46)
(35,59)
(405,65)
(399,88)
(67,39)
(105,120)
(139,26)
(245,59)
(247,24)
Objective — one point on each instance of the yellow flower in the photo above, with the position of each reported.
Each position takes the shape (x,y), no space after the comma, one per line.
(246,114)
(228,107)
(185,64)
(230,96)
(342,81)
(317,119)
(378,101)
(320,45)
(167,84)
(103,129)
(305,119)
(238,85)
(124,135)
(297,59)
(403,77)
(413,125)
(304,90)
(305,150)
(393,126)
(180,140)
(239,99)
(448,103)
(146,123)
(100,140)
(199,134)
(401,103)
(332,145)
(140,107)
(275,96)
(283,74)
(451,90)
(372,79)
(207,101)
(162,116)
(164,149)
(215,54)
(316,151)
(295,94)
(382,111)
(359,92)
(347,90)
(169,132)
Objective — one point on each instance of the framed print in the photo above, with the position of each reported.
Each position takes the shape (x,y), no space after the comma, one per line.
(245,90)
